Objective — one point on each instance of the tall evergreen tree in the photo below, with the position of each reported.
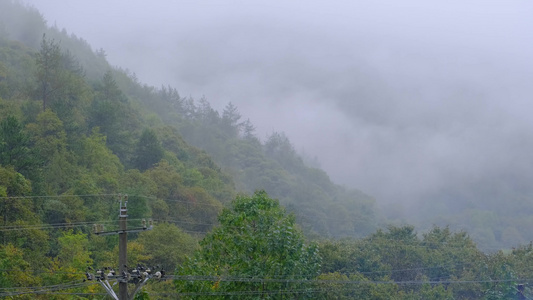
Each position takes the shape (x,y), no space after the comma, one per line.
(149,150)
(48,61)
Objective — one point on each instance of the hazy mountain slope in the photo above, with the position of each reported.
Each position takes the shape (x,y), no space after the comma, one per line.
(128,113)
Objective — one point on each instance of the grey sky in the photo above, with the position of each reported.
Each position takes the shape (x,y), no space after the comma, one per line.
(401,99)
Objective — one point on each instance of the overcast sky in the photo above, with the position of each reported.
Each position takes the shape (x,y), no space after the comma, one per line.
(404,100)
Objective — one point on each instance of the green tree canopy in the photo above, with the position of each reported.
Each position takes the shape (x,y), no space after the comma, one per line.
(254,247)
(149,150)
(14,142)
(173,251)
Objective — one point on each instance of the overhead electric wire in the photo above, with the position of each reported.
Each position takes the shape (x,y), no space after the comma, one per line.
(77,294)
(73,223)
(337,281)
(356,242)
(273,277)
(39,272)
(186,222)
(190,203)
(268,291)
(59,196)
(53,288)
(179,201)
(45,289)
(243,293)
(56,225)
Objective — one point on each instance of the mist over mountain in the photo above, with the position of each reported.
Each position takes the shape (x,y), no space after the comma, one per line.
(423,105)
(437,128)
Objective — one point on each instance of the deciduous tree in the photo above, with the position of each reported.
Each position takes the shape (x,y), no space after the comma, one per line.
(256,249)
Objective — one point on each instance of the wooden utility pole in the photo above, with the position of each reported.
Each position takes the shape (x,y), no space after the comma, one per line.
(139,276)
(123,248)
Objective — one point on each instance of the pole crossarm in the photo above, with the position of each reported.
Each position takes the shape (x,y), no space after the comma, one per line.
(138,276)
(140,229)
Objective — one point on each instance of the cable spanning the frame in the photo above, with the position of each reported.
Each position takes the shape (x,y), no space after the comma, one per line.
(45,289)
(59,196)
(274,280)
(312,289)
(55,225)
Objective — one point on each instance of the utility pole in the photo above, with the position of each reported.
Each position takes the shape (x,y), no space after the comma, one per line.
(123,248)
(140,275)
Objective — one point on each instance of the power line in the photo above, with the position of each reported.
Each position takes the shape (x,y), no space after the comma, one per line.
(58,196)
(44,289)
(179,201)
(355,242)
(40,272)
(273,277)
(52,288)
(336,281)
(53,226)
(363,242)
(185,202)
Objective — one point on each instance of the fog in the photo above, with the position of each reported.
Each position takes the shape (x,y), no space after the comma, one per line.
(407,101)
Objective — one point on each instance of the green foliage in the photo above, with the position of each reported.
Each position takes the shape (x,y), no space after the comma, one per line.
(48,61)
(60,85)
(255,239)
(100,161)
(166,178)
(432,262)
(429,292)
(19,212)
(13,183)
(74,252)
(142,295)
(498,266)
(112,113)
(148,151)
(14,145)
(14,270)
(195,209)
(48,135)
(171,253)
(356,286)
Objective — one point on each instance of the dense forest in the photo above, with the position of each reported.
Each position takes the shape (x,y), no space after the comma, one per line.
(77,133)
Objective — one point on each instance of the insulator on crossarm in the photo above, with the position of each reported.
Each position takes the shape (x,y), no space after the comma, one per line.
(89,276)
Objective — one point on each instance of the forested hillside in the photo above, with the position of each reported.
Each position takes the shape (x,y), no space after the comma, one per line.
(77,133)
(49,74)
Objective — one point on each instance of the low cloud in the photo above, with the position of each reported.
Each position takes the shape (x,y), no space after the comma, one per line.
(407,101)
